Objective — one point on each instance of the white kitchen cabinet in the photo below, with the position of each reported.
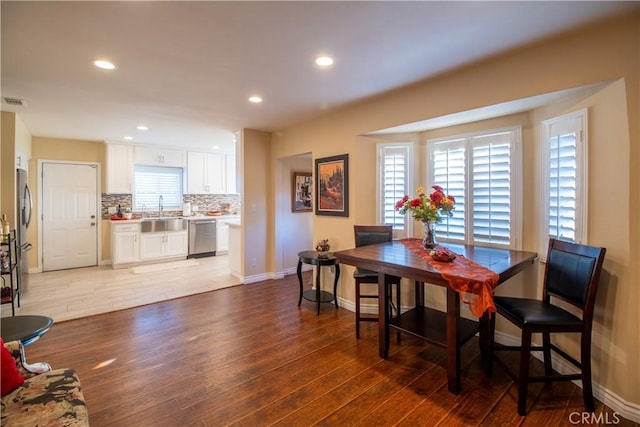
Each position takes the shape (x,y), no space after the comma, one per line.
(222,233)
(177,243)
(230,173)
(124,243)
(119,168)
(22,161)
(205,173)
(159,156)
(162,245)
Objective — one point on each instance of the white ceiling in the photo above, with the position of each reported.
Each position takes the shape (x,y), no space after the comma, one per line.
(186,69)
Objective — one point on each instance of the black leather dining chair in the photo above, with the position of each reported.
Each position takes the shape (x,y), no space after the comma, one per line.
(571,275)
(368,235)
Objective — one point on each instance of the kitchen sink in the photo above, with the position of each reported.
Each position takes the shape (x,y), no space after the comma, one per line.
(154,225)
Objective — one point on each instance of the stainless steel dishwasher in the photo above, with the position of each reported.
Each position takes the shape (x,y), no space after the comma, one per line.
(202,237)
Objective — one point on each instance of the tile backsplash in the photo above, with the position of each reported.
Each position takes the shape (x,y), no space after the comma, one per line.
(204,202)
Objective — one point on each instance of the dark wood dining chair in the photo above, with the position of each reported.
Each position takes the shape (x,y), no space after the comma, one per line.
(368,235)
(571,275)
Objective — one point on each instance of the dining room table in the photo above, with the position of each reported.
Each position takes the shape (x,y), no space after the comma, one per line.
(471,278)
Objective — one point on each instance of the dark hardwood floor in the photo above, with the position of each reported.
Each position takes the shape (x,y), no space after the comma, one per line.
(248,356)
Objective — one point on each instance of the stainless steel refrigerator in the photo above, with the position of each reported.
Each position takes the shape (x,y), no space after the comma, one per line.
(25,207)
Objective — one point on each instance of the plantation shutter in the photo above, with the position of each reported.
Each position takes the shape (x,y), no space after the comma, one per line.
(448,171)
(563,139)
(151,182)
(491,183)
(483,172)
(394,180)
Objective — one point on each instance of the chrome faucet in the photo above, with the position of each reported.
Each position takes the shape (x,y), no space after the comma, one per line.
(160,206)
(144,208)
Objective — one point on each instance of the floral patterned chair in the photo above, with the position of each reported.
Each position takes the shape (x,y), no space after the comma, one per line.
(52,398)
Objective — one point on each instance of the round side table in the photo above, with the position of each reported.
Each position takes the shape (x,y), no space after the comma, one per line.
(317,295)
(26,329)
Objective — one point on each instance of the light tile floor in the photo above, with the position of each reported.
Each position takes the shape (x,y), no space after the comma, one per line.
(75,293)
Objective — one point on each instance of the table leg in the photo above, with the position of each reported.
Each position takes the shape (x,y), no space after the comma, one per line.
(335,285)
(318,287)
(483,340)
(453,349)
(299,271)
(383,318)
(419,294)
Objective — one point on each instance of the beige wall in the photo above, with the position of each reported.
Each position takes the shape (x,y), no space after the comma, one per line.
(15,138)
(606,52)
(8,166)
(257,203)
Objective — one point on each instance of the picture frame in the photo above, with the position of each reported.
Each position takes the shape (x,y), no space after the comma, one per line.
(301,192)
(332,185)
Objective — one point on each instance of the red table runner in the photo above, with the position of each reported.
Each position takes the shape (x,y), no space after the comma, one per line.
(474,282)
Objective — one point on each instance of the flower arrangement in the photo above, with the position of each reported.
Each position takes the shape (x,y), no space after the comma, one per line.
(322,245)
(433,207)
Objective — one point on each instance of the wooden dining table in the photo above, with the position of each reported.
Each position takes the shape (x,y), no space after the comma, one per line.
(447,329)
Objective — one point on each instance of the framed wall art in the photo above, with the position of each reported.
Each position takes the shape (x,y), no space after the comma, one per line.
(301,192)
(332,185)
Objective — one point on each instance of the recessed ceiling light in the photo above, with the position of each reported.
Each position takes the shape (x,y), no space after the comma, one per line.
(324,61)
(101,63)
(215,147)
(128,138)
(255,99)
(142,127)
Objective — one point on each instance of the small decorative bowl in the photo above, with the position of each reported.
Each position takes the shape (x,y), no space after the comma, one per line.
(442,255)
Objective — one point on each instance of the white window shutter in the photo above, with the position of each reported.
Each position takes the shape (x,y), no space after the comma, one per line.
(151,182)
(394,180)
(565,165)
(483,172)
(491,183)
(448,162)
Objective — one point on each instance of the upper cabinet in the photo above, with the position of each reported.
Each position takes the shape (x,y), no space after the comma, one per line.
(22,161)
(119,168)
(206,173)
(157,156)
(230,165)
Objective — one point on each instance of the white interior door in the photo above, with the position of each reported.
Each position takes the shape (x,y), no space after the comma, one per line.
(69,217)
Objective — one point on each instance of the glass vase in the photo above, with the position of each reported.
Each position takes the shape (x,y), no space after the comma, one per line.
(429,240)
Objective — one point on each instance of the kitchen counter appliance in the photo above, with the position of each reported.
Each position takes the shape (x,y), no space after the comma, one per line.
(202,237)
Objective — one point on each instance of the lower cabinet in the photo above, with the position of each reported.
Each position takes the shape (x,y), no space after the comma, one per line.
(124,243)
(162,245)
(130,246)
(222,233)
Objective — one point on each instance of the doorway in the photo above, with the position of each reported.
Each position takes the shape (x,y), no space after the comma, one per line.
(69,215)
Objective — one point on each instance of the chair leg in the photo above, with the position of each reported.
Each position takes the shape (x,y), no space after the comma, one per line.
(585,361)
(523,377)
(546,351)
(357,309)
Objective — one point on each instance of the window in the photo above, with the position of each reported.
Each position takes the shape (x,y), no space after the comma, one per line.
(393,179)
(483,172)
(151,182)
(564,149)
